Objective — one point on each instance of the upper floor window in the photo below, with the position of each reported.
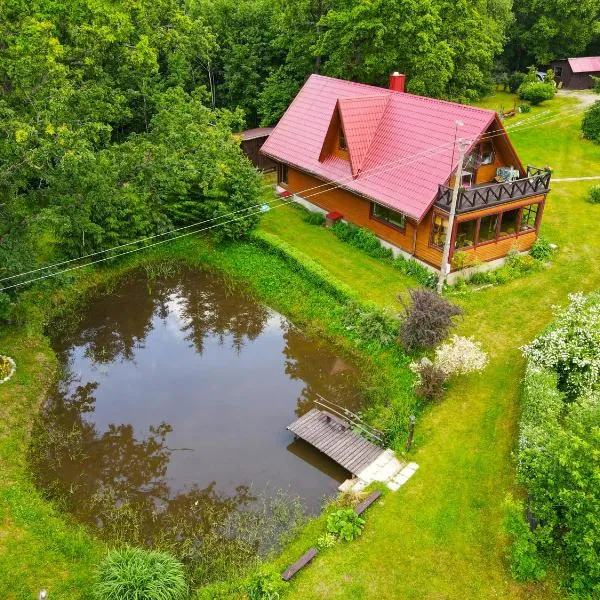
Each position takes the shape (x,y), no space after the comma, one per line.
(342,140)
(388,216)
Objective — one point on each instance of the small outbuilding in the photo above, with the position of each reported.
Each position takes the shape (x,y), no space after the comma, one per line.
(576,73)
(252,142)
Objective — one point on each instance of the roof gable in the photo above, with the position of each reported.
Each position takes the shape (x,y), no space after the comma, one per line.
(399,162)
(360,119)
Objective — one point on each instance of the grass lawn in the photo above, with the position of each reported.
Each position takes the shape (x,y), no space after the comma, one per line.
(441,535)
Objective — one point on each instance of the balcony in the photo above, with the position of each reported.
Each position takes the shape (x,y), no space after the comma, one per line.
(488,195)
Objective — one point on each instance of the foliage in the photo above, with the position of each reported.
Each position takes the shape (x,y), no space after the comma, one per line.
(591,123)
(556,462)
(431,380)
(221,591)
(345,524)
(515,80)
(542,250)
(361,238)
(524,108)
(516,265)
(537,92)
(427,319)
(327,540)
(594,194)
(460,356)
(266,584)
(596,81)
(314,217)
(571,346)
(6,367)
(417,270)
(370,324)
(136,574)
(525,562)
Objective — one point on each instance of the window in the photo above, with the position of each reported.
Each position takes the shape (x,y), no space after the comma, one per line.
(487,228)
(529,217)
(391,217)
(342,140)
(438,230)
(509,222)
(282,173)
(487,153)
(558,71)
(465,234)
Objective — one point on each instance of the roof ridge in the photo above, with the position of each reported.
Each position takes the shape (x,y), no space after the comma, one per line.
(379,125)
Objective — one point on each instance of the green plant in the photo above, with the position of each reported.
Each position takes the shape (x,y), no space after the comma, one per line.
(265,584)
(524,108)
(137,574)
(515,80)
(418,271)
(327,540)
(431,381)
(370,323)
(345,524)
(594,194)
(525,561)
(541,250)
(536,92)
(590,126)
(596,84)
(427,319)
(361,238)
(313,217)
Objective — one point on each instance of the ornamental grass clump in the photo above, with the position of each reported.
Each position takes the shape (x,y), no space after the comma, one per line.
(460,356)
(137,574)
(427,320)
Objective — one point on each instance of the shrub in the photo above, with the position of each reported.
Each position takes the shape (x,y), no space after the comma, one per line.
(327,540)
(525,562)
(591,123)
(137,574)
(265,584)
(414,269)
(524,108)
(460,356)
(371,324)
(515,80)
(536,92)
(431,381)
(596,84)
(571,346)
(594,194)
(541,250)
(362,239)
(427,320)
(313,217)
(345,524)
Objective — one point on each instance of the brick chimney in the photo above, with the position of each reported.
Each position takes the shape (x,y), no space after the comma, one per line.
(397,81)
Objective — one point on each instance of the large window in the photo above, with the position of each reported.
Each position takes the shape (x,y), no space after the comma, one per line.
(388,216)
(487,228)
(465,234)
(438,230)
(529,217)
(509,222)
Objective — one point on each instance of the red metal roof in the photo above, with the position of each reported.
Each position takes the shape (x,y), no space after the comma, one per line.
(384,130)
(585,64)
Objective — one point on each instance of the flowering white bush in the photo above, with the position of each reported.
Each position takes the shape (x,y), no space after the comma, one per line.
(459,356)
(571,347)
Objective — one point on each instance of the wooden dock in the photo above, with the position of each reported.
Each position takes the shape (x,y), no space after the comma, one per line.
(334,437)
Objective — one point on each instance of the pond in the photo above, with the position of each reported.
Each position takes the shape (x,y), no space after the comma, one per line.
(175,392)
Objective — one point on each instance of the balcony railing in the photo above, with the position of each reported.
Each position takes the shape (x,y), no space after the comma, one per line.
(491,194)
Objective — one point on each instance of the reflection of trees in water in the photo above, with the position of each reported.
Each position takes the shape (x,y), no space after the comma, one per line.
(114,325)
(117,484)
(322,373)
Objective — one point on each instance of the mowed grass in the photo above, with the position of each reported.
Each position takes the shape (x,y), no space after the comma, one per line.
(441,535)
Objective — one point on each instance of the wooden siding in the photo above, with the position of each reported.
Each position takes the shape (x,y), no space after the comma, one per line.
(425,251)
(356,210)
(573,81)
(251,148)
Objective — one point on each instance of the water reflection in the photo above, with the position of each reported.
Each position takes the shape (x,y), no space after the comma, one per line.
(170,414)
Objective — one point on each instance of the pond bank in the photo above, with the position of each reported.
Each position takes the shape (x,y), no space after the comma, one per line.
(61,556)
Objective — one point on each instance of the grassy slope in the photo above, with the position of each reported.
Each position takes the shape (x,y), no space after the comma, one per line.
(441,535)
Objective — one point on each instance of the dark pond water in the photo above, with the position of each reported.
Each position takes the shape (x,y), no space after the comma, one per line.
(175,393)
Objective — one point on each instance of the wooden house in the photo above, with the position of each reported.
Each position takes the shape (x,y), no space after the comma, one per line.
(576,73)
(386,160)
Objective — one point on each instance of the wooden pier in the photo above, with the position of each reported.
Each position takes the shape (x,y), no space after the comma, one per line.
(334,437)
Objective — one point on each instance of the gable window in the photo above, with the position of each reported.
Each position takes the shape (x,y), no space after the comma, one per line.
(388,216)
(282,173)
(343,145)
(438,230)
